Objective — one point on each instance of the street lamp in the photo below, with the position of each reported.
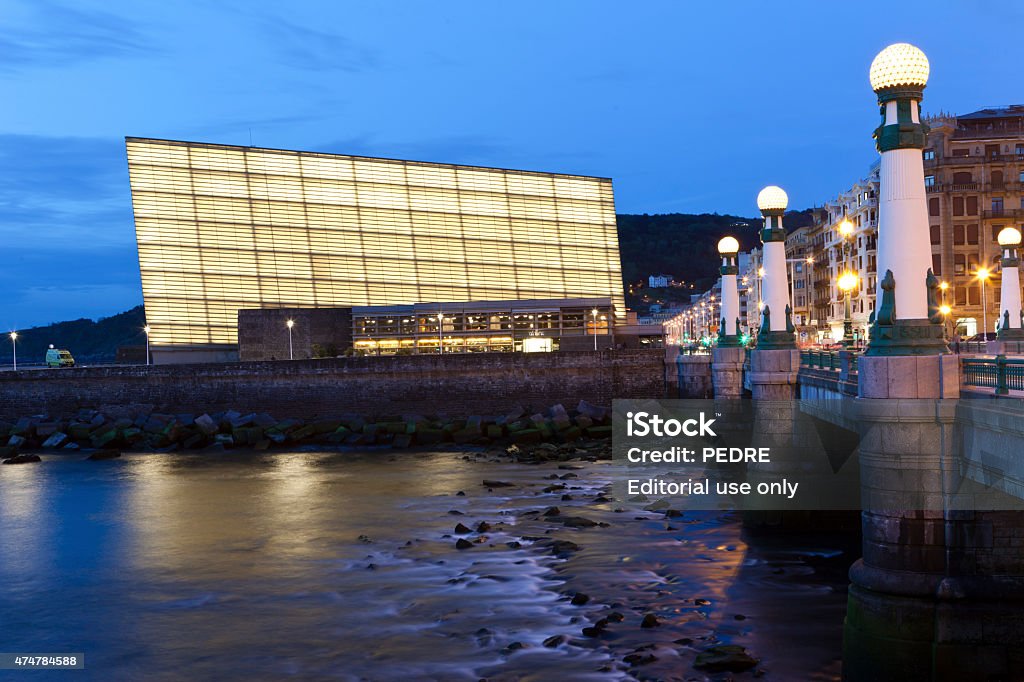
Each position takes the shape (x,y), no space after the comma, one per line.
(728,247)
(1012,326)
(146,329)
(290,324)
(14,348)
(902,320)
(776,323)
(945,310)
(846,232)
(983,274)
(594,314)
(440,333)
(847,282)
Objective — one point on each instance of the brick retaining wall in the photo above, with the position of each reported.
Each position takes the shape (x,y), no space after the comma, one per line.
(449,385)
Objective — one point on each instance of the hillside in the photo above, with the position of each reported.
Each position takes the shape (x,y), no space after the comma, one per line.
(684,245)
(87,340)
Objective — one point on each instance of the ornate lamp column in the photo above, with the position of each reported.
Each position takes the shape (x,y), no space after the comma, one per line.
(729,329)
(777,330)
(1011,324)
(906,320)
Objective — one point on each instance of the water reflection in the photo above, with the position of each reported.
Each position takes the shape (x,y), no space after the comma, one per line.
(341,566)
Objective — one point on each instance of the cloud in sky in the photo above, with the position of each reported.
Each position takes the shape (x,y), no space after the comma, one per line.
(53,34)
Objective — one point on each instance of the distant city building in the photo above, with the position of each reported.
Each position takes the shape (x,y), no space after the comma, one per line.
(974,176)
(478,326)
(659,281)
(223,228)
(833,256)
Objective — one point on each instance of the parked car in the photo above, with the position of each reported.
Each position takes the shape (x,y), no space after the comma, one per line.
(56,357)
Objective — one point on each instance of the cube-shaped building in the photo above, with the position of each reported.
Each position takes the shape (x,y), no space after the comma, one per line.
(223,228)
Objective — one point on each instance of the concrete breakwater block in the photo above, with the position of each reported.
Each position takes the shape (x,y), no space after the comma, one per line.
(96,432)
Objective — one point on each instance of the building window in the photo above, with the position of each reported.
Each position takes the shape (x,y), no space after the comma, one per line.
(997,205)
(972,205)
(962,151)
(929,181)
(933,206)
(958,206)
(958,235)
(929,154)
(937,264)
(936,234)
(972,234)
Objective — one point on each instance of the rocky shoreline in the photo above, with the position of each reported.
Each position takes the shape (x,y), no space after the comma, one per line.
(102,433)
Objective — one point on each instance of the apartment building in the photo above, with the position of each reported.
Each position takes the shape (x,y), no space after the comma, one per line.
(974,172)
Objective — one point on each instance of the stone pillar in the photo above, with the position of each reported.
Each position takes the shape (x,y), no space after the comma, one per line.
(694,372)
(774,373)
(727,371)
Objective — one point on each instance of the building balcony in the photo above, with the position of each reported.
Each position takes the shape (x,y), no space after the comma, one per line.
(1003,213)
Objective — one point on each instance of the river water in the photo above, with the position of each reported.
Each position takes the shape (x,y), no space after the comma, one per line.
(314,565)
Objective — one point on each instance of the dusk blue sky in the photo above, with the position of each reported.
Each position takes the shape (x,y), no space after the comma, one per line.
(688,106)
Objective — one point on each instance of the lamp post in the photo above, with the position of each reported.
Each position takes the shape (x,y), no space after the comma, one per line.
(945,310)
(1012,326)
(440,333)
(290,324)
(983,274)
(593,314)
(902,321)
(146,329)
(777,330)
(14,349)
(729,332)
(847,282)
(846,232)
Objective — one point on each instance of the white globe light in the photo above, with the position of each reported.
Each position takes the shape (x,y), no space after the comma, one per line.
(772,198)
(728,245)
(899,64)
(1008,236)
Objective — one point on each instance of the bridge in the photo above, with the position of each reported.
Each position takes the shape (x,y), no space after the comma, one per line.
(942,490)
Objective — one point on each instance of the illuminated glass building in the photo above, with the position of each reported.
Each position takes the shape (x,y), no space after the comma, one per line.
(224,228)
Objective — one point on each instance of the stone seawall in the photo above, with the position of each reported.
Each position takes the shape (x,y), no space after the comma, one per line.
(449,385)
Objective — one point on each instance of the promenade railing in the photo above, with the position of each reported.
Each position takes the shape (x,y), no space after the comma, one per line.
(827,359)
(1000,372)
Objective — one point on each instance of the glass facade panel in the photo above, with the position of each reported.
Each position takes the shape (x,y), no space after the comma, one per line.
(221,228)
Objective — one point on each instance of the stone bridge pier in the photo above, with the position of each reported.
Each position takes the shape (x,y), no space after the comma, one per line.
(937,594)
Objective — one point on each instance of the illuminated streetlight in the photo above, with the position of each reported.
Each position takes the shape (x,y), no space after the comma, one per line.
(290,324)
(728,247)
(772,202)
(146,329)
(983,274)
(14,348)
(898,75)
(594,313)
(847,282)
(440,333)
(1012,325)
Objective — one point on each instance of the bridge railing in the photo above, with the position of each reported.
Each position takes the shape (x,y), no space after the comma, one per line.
(828,359)
(999,372)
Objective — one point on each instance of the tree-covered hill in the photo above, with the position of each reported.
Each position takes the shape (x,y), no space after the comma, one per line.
(686,245)
(88,340)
